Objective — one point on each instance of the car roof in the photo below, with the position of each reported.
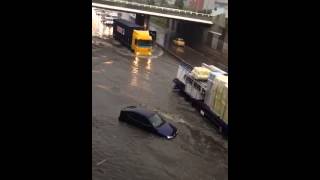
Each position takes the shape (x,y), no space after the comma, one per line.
(141,111)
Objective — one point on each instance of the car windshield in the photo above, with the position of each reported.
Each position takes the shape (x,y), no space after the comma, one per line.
(156,121)
(144,43)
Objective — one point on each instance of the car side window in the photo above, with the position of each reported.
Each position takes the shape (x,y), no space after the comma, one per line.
(143,120)
(146,122)
(139,118)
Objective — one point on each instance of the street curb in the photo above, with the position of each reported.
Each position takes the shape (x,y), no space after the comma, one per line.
(173,54)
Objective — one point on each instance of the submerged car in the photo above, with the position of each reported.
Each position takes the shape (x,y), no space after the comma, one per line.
(148,120)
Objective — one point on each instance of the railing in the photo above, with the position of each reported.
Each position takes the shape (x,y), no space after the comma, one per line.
(158,9)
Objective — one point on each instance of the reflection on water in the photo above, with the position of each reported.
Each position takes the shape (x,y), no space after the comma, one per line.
(148,67)
(108,62)
(136,61)
(134,72)
(180,50)
(104,87)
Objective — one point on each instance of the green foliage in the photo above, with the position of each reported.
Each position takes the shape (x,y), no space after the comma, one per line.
(179,4)
(164,3)
(151,2)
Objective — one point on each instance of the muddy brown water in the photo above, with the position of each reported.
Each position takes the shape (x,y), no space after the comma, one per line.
(121,151)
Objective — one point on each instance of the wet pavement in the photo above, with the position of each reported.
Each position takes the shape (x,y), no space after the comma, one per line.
(121,151)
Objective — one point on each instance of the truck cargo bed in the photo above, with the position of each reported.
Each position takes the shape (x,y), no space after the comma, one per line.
(202,108)
(122,31)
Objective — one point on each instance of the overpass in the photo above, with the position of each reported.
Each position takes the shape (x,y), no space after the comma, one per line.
(151,10)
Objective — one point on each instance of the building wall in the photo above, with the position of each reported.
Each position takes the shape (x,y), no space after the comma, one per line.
(199,4)
(221,3)
(196,4)
(187,3)
(208,4)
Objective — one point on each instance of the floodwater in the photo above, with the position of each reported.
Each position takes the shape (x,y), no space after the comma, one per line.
(121,151)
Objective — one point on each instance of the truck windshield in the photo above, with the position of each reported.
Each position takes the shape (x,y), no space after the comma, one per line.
(144,43)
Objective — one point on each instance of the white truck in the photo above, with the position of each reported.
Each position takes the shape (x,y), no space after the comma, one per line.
(206,87)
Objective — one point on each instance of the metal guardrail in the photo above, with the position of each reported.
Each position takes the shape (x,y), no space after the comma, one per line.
(159,9)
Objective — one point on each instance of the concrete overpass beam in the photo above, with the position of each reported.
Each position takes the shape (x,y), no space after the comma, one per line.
(173,25)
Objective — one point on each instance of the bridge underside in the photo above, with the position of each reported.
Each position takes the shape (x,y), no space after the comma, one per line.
(142,20)
(130,10)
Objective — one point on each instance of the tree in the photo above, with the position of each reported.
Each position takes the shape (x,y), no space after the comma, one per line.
(179,4)
(164,3)
(151,2)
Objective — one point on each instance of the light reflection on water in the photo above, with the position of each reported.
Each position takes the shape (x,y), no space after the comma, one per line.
(108,62)
(134,72)
(148,67)
(146,64)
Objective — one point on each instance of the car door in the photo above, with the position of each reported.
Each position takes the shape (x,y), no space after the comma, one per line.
(143,122)
(146,124)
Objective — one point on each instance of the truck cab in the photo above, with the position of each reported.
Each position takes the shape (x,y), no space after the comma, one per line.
(141,42)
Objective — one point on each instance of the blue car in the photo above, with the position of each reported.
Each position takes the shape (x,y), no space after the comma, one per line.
(148,120)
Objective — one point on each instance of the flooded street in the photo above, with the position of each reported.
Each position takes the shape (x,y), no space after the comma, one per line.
(121,151)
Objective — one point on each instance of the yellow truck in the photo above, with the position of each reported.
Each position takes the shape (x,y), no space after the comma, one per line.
(133,36)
